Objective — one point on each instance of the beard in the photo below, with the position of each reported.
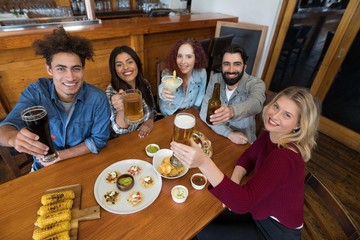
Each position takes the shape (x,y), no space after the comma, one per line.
(232,81)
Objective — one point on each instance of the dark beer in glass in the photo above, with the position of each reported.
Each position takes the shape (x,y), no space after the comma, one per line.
(36,120)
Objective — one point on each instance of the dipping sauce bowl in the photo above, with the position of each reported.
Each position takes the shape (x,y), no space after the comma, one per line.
(198,181)
(151,149)
(179,193)
(125,182)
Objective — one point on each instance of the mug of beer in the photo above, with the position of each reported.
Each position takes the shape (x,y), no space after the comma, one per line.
(133,106)
(36,121)
(184,124)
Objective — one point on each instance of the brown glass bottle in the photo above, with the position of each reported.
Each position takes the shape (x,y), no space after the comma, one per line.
(214,102)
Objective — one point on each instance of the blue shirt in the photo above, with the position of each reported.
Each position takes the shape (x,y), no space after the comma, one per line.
(87,120)
(193,97)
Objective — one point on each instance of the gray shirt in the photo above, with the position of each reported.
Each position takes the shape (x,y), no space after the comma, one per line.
(247,101)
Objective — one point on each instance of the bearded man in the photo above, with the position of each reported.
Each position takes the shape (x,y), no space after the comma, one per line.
(242,97)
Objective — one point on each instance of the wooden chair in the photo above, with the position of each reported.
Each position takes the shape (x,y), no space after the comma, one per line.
(293,46)
(324,215)
(300,43)
(218,46)
(269,95)
(206,43)
(19,164)
(160,66)
(326,45)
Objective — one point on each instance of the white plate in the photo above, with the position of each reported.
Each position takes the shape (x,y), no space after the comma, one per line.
(102,186)
(157,160)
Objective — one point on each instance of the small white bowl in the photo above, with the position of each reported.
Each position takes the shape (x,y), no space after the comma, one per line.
(179,193)
(159,157)
(151,153)
(198,181)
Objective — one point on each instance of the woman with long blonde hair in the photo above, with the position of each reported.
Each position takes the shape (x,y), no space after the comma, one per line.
(269,205)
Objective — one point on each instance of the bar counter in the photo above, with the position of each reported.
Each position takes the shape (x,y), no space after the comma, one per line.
(150,37)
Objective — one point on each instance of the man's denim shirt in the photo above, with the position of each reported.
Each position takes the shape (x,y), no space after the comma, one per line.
(87,121)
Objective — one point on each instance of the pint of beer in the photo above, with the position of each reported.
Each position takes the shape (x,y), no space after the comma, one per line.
(36,120)
(184,124)
(133,106)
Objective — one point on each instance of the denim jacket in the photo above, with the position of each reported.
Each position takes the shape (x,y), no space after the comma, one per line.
(88,119)
(193,97)
(247,100)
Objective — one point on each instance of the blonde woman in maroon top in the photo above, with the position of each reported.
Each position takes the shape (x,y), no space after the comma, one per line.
(270,205)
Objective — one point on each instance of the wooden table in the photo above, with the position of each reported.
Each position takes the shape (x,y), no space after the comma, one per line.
(163,219)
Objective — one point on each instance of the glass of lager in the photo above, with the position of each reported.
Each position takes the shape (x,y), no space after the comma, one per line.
(133,106)
(184,124)
(36,120)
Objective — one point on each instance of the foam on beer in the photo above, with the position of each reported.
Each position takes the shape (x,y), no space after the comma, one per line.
(184,121)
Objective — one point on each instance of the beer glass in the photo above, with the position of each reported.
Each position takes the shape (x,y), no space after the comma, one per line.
(36,120)
(134,112)
(184,124)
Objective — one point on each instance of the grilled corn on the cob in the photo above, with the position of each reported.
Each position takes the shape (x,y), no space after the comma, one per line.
(45,209)
(53,217)
(59,236)
(51,229)
(50,198)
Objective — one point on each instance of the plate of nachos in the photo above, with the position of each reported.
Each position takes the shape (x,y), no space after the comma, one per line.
(146,188)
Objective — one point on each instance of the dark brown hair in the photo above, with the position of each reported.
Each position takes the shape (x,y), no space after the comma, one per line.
(235,49)
(61,41)
(117,83)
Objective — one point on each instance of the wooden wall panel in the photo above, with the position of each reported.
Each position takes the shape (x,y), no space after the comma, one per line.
(97,72)
(151,38)
(2,113)
(16,71)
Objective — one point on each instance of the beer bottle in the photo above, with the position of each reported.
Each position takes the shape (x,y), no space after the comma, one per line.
(214,102)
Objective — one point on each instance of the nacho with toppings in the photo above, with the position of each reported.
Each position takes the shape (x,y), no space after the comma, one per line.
(111,197)
(134,170)
(147,181)
(135,198)
(112,176)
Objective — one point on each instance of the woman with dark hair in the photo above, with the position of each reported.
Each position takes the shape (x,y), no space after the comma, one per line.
(127,73)
(188,59)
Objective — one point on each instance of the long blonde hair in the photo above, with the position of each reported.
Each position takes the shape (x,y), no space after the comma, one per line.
(305,137)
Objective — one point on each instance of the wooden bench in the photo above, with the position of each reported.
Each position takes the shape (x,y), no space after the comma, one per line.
(325,217)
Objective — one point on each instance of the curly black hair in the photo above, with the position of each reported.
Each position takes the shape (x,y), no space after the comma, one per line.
(61,41)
